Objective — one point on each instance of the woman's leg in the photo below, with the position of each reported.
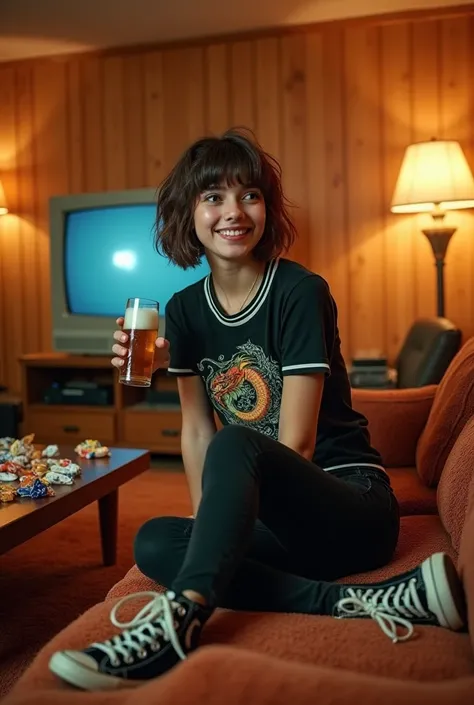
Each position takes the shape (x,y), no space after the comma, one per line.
(262,581)
(330,527)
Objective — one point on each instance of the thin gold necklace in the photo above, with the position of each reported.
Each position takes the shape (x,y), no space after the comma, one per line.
(244,301)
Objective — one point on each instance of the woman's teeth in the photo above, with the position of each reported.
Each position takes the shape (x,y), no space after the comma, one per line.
(233,233)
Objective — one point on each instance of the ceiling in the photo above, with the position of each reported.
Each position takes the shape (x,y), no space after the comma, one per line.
(32,28)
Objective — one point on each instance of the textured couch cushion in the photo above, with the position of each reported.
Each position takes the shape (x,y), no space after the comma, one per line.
(453,406)
(222,674)
(413,496)
(420,536)
(466,559)
(454,484)
(350,645)
(396,419)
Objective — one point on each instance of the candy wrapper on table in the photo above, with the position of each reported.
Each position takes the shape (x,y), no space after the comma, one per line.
(92,449)
(66,466)
(58,478)
(10,471)
(23,450)
(5,443)
(51,451)
(34,487)
(62,472)
(7,493)
(41,466)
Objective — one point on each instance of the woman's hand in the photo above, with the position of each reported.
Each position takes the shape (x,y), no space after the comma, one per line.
(162,352)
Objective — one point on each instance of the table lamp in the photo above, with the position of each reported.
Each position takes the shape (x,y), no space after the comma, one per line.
(434,178)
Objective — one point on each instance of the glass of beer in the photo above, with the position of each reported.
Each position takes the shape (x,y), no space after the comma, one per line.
(141,326)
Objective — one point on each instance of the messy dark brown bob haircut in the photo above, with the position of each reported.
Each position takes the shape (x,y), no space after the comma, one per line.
(234,158)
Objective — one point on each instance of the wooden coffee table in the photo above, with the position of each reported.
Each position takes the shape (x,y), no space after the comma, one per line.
(100,480)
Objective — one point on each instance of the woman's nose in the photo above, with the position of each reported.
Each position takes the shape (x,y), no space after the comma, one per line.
(233,211)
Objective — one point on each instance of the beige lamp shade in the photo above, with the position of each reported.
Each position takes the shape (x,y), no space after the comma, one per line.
(433,174)
(3,201)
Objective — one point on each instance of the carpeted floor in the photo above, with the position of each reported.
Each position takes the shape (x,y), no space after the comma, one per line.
(49,581)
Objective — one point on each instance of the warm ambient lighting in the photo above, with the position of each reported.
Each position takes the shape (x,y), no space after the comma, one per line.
(434,177)
(3,201)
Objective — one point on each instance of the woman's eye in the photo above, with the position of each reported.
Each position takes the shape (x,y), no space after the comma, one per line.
(212,197)
(252,195)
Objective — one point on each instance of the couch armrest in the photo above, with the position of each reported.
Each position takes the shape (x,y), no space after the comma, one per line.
(396,419)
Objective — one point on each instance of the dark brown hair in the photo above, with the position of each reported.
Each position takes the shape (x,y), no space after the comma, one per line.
(235,157)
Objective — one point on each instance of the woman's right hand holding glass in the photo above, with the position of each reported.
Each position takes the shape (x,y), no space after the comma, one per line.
(162,355)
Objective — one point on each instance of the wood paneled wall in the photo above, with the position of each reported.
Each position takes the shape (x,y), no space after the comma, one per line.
(337,104)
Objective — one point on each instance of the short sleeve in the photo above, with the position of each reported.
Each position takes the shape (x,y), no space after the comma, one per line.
(179,336)
(308,328)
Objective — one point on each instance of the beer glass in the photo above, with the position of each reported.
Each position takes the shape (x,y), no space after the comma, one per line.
(141,326)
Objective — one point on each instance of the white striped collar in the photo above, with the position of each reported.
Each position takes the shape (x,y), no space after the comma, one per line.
(238,319)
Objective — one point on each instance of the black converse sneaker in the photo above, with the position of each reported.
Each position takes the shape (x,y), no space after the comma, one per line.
(154,641)
(431,594)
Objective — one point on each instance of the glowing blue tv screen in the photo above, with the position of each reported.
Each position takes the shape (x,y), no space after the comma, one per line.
(109,256)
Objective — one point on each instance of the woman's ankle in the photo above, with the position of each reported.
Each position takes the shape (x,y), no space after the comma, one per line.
(195,597)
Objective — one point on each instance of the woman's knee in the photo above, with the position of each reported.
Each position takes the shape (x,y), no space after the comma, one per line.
(231,439)
(160,545)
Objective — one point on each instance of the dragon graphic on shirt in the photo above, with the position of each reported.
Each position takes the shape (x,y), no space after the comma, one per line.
(245,389)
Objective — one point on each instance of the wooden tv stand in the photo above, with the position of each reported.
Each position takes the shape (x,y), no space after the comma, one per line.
(127,420)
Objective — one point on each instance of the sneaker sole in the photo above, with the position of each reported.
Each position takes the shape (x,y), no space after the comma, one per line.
(74,673)
(444,591)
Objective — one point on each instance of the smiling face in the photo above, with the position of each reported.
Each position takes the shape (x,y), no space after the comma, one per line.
(229,221)
(223,198)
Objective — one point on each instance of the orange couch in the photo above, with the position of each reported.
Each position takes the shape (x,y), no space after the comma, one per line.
(415,429)
(427,439)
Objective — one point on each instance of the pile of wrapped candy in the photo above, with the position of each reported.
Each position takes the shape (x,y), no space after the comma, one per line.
(28,472)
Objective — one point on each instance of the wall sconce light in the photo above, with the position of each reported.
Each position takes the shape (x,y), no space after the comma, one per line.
(434,178)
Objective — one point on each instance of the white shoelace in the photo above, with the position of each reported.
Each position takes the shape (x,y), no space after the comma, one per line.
(389,607)
(154,621)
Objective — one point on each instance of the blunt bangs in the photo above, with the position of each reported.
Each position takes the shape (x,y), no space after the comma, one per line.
(226,162)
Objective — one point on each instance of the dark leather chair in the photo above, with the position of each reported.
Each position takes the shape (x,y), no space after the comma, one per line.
(426,353)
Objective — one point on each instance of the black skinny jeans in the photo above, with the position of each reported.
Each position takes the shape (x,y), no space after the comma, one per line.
(272,528)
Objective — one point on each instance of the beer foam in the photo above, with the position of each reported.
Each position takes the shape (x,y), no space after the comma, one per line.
(141,319)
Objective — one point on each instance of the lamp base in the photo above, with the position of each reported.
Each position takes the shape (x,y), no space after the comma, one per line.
(439,239)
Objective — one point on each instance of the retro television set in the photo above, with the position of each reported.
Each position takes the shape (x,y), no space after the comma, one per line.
(102,252)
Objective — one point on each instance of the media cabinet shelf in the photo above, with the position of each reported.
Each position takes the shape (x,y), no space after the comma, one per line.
(66,409)
(128,421)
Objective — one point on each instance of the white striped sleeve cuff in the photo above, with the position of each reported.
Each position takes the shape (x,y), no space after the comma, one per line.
(180,371)
(306,367)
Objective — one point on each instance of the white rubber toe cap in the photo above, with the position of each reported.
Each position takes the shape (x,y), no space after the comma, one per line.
(81,670)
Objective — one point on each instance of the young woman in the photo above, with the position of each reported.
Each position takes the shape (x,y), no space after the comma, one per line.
(289,495)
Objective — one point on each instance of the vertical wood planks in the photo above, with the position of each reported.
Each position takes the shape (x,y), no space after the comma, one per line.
(400,281)
(456,99)
(13,313)
(51,170)
(335,233)
(364,174)
(336,105)
(293,85)
(426,121)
